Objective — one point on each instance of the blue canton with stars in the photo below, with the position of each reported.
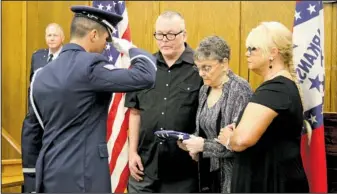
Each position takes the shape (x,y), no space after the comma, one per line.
(315,116)
(306,10)
(118,6)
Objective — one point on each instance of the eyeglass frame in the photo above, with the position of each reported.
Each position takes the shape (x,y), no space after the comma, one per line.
(250,49)
(203,69)
(165,35)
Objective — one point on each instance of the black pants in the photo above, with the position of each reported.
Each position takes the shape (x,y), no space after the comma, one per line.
(149,185)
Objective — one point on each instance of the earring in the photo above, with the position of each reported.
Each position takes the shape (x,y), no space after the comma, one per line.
(271,59)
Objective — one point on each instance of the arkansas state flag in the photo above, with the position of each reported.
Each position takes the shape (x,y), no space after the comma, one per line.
(308,38)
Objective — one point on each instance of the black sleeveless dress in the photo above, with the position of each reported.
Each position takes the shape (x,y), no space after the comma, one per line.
(274,164)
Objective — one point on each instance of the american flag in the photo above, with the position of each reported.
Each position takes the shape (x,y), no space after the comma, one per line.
(118,117)
(308,38)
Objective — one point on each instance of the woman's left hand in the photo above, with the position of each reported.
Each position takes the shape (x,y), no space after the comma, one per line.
(194,144)
(224,134)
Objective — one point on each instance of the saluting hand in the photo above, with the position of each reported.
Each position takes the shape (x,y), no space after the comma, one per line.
(122,45)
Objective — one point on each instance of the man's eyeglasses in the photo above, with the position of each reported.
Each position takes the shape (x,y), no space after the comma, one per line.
(250,49)
(169,36)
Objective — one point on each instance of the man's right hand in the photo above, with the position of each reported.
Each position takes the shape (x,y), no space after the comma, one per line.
(136,166)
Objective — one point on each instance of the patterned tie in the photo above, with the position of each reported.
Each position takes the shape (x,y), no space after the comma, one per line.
(50,58)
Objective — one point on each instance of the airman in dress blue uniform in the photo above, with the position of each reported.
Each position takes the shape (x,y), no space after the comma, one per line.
(54,37)
(70,98)
(31,145)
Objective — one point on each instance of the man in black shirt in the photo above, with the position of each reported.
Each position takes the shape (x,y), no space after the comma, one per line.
(159,165)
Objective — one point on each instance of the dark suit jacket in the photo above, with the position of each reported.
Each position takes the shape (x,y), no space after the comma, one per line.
(39,59)
(30,153)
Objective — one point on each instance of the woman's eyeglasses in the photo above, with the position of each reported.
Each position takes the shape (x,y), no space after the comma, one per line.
(204,68)
(250,49)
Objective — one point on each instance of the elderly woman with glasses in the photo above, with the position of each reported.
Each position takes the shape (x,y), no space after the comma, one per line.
(221,99)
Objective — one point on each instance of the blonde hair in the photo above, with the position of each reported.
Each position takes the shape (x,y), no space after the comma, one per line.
(274,34)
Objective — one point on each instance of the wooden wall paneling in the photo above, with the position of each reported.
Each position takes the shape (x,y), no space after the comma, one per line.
(256,12)
(204,18)
(14,71)
(33,36)
(327,55)
(142,16)
(58,12)
(333,89)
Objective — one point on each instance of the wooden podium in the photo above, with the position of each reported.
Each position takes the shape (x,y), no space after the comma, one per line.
(330,130)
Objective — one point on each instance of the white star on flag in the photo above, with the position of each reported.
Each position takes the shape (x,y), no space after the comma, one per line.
(180,136)
(120,2)
(297,15)
(311,8)
(312,119)
(114,30)
(110,58)
(108,7)
(114,4)
(107,47)
(100,6)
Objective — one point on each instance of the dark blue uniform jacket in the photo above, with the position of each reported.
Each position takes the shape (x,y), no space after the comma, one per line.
(71,96)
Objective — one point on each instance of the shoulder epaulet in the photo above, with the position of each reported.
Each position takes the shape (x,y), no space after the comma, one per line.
(40,51)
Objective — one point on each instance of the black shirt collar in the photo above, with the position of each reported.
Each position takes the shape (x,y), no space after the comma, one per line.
(186,56)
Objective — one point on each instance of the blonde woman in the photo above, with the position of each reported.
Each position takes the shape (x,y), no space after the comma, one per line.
(267,137)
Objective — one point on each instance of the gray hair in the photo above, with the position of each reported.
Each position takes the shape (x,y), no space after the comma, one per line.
(212,48)
(57,26)
(172,14)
